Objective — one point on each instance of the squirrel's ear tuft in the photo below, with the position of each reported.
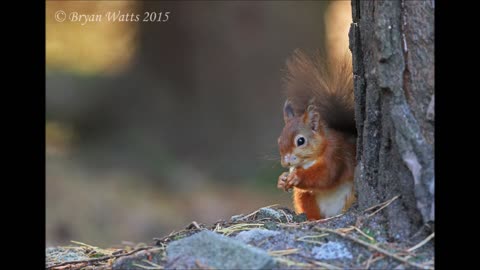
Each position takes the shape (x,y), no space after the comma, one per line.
(312,117)
(287,111)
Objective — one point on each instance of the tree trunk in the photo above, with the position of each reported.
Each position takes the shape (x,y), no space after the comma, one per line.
(392,44)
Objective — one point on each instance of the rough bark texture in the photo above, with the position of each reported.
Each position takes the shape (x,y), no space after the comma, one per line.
(392,44)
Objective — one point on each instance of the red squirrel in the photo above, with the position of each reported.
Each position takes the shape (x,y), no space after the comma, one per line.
(318,141)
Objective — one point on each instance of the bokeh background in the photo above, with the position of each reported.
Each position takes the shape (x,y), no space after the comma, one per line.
(150,125)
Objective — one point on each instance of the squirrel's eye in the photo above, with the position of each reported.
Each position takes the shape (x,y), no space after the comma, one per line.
(300,141)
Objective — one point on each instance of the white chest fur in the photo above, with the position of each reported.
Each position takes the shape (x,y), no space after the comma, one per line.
(332,203)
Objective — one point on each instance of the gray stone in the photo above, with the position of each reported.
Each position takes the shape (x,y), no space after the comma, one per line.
(56,255)
(266,212)
(331,251)
(255,235)
(237,218)
(137,261)
(274,214)
(209,249)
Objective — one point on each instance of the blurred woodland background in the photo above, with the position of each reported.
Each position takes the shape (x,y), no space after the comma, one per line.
(150,126)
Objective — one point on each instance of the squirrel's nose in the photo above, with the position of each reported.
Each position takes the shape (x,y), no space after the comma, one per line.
(289,159)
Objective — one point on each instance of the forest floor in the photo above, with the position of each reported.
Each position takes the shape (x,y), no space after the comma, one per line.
(269,238)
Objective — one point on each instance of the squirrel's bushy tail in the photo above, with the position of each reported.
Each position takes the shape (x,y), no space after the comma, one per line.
(329,86)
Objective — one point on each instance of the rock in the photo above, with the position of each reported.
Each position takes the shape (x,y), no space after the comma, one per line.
(255,235)
(55,255)
(281,215)
(331,251)
(274,214)
(237,218)
(300,217)
(128,262)
(209,249)
(271,225)
(266,212)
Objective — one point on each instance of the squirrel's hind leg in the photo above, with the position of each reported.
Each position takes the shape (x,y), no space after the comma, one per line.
(305,202)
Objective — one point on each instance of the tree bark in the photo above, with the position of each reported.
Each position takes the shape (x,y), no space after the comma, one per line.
(392,44)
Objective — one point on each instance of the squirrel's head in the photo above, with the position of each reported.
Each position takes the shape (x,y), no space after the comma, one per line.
(302,138)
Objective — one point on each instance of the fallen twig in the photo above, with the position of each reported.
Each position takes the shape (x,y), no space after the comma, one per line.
(289,262)
(312,236)
(326,265)
(99,259)
(255,212)
(346,230)
(239,227)
(322,264)
(374,247)
(381,205)
(307,238)
(201,265)
(83,244)
(283,252)
(159,241)
(194,224)
(286,216)
(421,243)
(290,225)
(73,267)
(372,260)
(369,261)
(364,234)
(153,266)
(330,218)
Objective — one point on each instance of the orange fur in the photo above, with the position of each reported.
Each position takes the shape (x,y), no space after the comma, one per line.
(305,202)
(330,170)
(349,201)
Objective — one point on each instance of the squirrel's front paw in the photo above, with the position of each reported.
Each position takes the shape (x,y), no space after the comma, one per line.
(288,180)
(292,180)
(282,180)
